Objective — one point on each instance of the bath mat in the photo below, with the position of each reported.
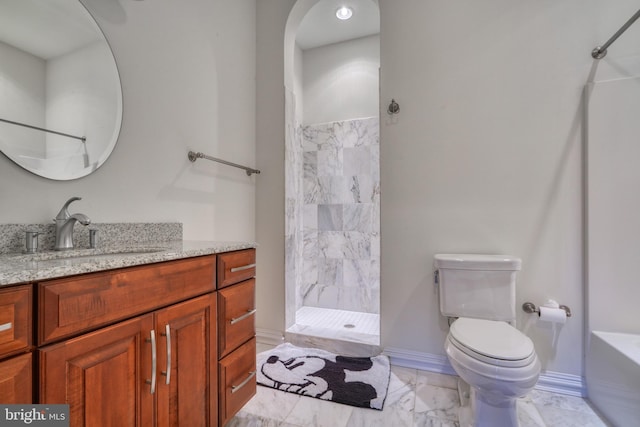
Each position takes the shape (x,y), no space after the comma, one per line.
(355,381)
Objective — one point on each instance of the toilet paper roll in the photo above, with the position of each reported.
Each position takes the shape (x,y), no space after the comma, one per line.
(554,315)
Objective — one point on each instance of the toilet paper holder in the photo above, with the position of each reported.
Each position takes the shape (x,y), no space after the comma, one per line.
(530,308)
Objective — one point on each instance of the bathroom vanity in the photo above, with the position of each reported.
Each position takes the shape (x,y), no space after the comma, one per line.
(165,337)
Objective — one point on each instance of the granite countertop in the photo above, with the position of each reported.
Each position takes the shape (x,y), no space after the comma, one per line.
(22,268)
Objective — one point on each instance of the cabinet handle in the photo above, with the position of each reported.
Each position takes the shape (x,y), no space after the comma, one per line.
(167,373)
(6,326)
(152,381)
(244,316)
(244,267)
(235,388)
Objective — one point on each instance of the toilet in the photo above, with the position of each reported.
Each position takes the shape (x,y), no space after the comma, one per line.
(495,359)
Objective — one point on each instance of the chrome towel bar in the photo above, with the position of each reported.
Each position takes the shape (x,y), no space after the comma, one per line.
(193,156)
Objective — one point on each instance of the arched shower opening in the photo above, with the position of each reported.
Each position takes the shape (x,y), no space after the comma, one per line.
(332,183)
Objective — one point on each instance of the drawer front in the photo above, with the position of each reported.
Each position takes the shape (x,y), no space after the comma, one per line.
(236,316)
(234,267)
(237,380)
(15,319)
(77,304)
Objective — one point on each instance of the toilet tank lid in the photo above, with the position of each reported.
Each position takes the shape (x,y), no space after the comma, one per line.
(477,262)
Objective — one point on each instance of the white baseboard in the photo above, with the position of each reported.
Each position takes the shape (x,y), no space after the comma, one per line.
(417,360)
(269,336)
(556,382)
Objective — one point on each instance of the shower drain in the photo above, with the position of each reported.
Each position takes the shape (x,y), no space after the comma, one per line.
(349,325)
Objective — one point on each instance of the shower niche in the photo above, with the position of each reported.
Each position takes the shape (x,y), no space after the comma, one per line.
(332,179)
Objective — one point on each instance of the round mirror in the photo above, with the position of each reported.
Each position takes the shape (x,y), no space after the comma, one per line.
(60,93)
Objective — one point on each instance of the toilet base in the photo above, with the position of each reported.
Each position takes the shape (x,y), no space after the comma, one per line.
(478,409)
(491,411)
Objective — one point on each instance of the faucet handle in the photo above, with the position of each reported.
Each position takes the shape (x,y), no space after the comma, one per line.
(64,212)
(31,242)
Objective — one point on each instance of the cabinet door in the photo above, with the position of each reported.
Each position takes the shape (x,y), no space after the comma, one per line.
(187,394)
(102,375)
(15,380)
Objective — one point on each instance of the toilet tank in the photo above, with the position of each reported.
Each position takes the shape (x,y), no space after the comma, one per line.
(477,286)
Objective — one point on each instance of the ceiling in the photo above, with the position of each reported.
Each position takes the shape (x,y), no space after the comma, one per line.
(49,28)
(320,26)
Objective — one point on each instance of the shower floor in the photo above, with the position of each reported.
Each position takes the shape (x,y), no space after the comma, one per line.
(347,331)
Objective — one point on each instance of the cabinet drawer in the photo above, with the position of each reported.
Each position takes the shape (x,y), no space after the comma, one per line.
(236,316)
(234,267)
(15,319)
(73,305)
(237,380)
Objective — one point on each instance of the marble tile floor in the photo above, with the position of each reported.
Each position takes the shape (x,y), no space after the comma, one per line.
(415,398)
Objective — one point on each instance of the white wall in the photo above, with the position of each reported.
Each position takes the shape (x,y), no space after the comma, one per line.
(188,77)
(340,81)
(271,21)
(485,155)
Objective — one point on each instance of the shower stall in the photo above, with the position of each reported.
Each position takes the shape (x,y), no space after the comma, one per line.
(332,192)
(333,239)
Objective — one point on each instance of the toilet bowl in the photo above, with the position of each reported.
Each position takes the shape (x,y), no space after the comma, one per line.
(498,362)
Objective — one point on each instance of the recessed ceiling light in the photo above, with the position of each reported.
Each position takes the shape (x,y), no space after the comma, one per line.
(344,13)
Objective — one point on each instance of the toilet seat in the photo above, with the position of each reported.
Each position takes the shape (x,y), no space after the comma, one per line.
(493,342)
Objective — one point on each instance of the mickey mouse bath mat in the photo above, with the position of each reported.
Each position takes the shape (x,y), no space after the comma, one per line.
(355,381)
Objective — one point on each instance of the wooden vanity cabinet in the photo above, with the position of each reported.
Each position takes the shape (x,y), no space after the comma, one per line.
(121,376)
(16,359)
(99,360)
(155,369)
(236,331)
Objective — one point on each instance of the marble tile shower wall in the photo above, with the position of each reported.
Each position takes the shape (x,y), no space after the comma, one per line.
(341,215)
(294,200)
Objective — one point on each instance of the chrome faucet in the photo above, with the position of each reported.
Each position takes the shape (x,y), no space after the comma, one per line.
(64,225)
